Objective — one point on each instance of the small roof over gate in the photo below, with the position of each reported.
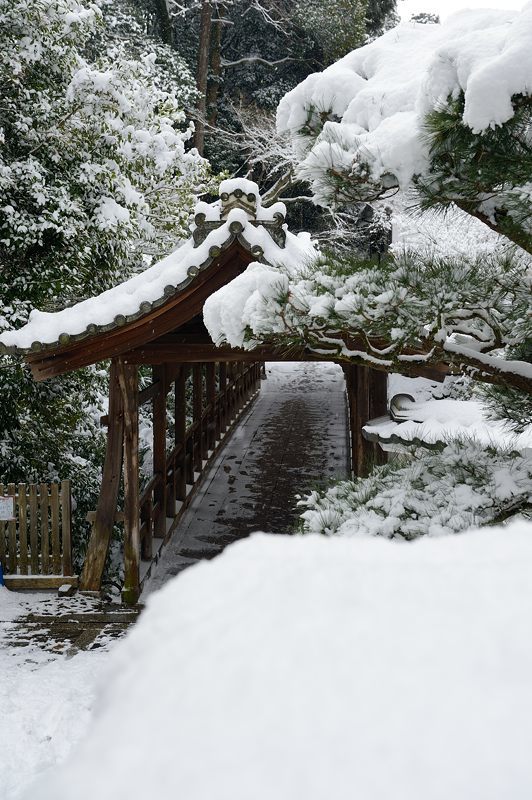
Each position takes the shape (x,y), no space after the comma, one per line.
(226,236)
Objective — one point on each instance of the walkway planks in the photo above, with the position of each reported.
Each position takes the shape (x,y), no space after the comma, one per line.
(293,438)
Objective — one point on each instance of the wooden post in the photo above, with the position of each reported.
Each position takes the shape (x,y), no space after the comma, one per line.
(159,449)
(34,536)
(211,403)
(2,536)
(12,534)
(128,380)
(366,391)
(56,539)
(66,526)
(23,528)
(223,397)
(181,432)
(197,414)
(45,538)
(91,576)
(378,406)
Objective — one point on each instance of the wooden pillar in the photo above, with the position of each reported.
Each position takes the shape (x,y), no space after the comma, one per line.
(367,395)
(223,397)
(378,407)
(180,412)
(197,414)
(211,403)
(128,378)
(159,373)
(102,528)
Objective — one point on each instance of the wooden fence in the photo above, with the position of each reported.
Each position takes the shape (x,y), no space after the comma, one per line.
(36,544)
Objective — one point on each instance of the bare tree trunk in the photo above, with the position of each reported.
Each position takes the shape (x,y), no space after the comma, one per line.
(216,68)
(165,23)
(202,73)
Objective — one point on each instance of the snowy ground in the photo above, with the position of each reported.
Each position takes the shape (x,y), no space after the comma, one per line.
(46,697)
(307,667)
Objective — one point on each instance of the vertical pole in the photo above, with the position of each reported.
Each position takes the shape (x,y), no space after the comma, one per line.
(128,379)
(211,403)
(197,410)
(366,391)
(66,527)
(181,432)
(93,567)
(218,405)
(23,528)
(378,406)
(223,397)
(159,374)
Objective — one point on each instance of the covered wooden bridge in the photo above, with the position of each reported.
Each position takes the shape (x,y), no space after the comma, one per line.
(154,320)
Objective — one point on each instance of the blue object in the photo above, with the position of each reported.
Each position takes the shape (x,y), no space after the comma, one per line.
(1,575)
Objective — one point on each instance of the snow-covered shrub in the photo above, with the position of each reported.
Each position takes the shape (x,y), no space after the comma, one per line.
(427,493)
(94,178)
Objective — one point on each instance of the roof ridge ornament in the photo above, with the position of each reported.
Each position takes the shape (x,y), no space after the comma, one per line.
(244,195)
(237,198)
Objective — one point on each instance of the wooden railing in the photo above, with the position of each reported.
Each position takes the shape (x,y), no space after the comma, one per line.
(220,393)
(36,542)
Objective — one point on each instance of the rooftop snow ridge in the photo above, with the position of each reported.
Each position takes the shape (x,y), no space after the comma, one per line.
(233,218)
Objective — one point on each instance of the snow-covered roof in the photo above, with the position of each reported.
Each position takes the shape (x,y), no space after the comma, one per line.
(377,97)
(238,216)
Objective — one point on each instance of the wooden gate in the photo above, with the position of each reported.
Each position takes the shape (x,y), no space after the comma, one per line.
(36,543)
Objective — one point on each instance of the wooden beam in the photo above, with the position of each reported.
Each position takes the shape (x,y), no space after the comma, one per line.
(151,391)
(17,582)
(128,379)
(91,575)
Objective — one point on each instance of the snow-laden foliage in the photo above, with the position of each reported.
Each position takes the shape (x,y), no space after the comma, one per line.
(445,107)
(94,176)
(408,310)
(436,493)
(92,155)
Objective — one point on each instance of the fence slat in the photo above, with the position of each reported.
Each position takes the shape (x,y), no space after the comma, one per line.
(45,541)
(34,536)
(23,529)
(12,536)
(2,536)
(56,541)
(66,513)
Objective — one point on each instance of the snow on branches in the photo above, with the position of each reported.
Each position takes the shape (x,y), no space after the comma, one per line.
(448,491)
(407,313)
(444,107)
(93,166)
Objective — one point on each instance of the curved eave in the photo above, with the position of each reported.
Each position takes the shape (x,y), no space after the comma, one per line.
(177,305)
(65,340)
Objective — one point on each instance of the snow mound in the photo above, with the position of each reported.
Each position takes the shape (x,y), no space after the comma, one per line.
(376,98)
(307,667)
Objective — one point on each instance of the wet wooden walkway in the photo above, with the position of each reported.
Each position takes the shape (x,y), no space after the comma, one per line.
(291,440)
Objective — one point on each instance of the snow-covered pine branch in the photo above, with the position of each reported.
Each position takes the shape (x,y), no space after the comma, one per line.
(445,108)
(403,315)
(439,492)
